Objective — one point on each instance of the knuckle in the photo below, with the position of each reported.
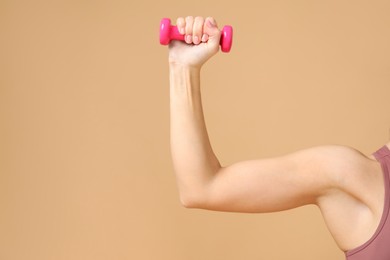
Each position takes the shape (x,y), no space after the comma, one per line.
(189,19)
(199,19)
(180,21)
(211,19)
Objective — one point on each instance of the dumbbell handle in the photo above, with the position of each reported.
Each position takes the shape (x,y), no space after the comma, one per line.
(169,32)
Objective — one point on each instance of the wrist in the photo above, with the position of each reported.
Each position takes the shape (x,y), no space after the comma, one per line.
(184,77)
(179,67)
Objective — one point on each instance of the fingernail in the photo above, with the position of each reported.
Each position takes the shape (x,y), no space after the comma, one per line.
(188,39)
(196,39)
(205,37)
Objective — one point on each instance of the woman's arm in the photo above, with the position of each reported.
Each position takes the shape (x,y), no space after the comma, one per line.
(262,185)
(193,158)
(346,185)
(252,186)
(194,161)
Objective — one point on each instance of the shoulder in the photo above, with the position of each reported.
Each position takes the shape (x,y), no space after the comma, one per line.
(333,158)
(344,167)
(345,164)
(333,161)
(338,169)
(332,151)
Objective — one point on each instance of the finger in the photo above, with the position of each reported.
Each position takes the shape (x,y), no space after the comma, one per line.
(181,25)
(210,24)
(205,37)
(189,28)
(197,32)
(210,28)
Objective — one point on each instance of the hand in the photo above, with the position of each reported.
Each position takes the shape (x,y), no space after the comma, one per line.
(202,38)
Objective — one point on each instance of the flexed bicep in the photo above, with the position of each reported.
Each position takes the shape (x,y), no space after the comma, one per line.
(273,184)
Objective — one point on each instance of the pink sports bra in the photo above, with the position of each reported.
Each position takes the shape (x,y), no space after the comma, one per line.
(378,247)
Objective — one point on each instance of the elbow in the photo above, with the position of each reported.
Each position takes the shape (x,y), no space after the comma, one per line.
(189,202)
(196,194)
(186,203)
(192,201)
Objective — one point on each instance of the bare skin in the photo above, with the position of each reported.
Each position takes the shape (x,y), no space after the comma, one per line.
(346,185)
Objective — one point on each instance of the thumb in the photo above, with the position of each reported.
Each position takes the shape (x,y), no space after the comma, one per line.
(211,29)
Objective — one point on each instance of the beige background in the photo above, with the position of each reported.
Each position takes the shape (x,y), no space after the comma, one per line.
(85,170)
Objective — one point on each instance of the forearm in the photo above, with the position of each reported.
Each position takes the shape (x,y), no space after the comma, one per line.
(193,159)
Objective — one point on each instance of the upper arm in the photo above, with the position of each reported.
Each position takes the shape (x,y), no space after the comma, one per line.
(280,183)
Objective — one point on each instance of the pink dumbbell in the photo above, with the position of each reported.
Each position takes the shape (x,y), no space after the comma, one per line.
(169,32)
